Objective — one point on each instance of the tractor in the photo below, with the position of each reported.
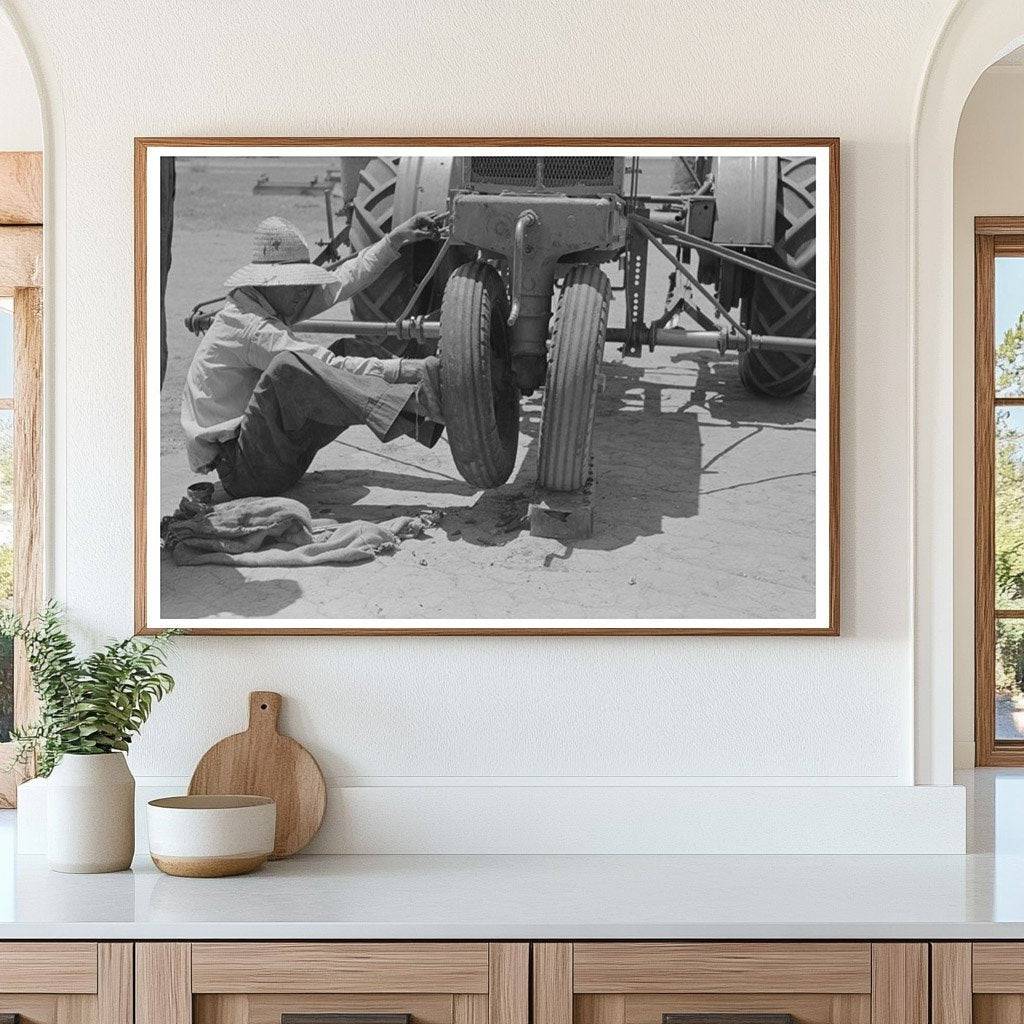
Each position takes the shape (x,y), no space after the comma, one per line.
(521,227)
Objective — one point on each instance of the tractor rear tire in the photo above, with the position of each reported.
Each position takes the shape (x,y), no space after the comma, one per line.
(373,216)
(478,390)
(781,309)
(570,395)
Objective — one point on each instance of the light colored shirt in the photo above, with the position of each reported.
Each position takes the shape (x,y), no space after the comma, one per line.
(245,336)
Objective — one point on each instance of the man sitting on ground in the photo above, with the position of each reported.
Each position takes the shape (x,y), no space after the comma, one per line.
(259,402)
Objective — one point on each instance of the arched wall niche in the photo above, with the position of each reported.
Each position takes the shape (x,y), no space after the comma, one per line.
(975,35)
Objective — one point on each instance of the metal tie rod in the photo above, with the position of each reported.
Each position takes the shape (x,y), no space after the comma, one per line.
(674,337)
(681,237)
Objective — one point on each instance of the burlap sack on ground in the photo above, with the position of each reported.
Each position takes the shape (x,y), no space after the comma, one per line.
(280,532)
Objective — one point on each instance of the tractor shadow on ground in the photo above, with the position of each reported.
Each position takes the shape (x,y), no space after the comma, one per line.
(495,517)
(221,592)
(719,390)
(648,445)
(648,452)
(647,455)
(648,469)
(336,493)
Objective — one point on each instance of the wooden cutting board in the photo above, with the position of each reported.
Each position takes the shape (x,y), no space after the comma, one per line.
(262,762)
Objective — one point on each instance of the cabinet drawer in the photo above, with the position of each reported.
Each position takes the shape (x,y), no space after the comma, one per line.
(998,967)
(66,982)
(260,982)
(340,967)
(738,982)
(48,967)
(629,967)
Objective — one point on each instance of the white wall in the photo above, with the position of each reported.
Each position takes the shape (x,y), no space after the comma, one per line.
(21,125)
(988,181)
(443,713)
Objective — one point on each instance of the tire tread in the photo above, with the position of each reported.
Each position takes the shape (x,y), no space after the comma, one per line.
(483,443)
(782,309)
(570,395)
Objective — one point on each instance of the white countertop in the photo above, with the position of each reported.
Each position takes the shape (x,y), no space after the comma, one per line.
(978,896)
(532,897)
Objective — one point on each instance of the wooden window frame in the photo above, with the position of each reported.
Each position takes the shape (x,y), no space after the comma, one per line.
(21,278)
(993,237)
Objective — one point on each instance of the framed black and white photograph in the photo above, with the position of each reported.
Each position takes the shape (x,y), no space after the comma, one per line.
(487,386)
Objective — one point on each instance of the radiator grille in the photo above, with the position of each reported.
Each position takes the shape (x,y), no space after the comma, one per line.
(574,171)
(504,170)
(554,172)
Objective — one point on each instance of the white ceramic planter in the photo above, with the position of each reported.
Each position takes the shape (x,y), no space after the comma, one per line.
(90,814)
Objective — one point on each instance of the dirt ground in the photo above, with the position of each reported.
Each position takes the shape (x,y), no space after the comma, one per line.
(705,494)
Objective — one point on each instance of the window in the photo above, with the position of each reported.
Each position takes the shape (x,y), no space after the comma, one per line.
(21,375)
(999,490)
(20,494)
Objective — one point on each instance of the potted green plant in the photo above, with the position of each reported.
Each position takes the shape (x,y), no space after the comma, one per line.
(89,710)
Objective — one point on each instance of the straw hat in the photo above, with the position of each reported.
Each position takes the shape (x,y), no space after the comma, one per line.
(280,257)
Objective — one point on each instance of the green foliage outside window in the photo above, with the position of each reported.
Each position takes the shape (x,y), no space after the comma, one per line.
(1009,510)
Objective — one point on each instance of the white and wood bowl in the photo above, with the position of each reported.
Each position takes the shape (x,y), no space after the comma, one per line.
(211,836)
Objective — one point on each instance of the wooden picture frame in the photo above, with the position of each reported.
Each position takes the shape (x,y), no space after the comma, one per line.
(21,273)
(826,619)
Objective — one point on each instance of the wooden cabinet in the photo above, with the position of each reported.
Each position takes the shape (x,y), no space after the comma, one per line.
(66,982)
(494,983)
(979,982)
(259,982)
(815,982)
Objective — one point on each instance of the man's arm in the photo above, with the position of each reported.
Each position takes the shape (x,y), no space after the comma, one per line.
(365,267)
(368,264)
(271,338)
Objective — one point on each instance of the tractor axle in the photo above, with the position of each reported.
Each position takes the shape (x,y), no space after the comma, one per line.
(418,329)
(411,329)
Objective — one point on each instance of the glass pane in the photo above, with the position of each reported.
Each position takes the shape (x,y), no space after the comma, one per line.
(1009,512)
(1009,324)
(1009,679)
(6,567)
(6,349)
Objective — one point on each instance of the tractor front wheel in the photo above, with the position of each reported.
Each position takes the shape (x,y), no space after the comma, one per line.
(570,395)
(481,400)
